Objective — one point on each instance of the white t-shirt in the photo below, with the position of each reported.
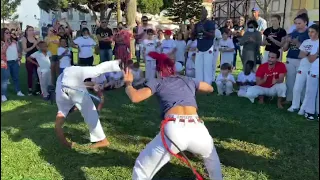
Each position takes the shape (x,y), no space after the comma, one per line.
(229,77)
(100,79)
(12,52)
(149,46)
(85,46)
(308,46)
(192,44)
(293,27)
(246,78)
(228,44)
(65,61)
(43,60)
(314,70)
(136,74)
(167,46)
(181,49)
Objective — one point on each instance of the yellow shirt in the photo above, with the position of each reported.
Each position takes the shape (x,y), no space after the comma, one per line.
(53,47)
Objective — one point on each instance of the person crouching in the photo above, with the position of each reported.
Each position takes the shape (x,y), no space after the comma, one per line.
(246,79)
(225,80)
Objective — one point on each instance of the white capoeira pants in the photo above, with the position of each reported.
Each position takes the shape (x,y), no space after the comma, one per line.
(278,90)
(150,69)
(66,98)
(188,136)
(299,88)
(292,66)
(216,55)
(203,66)
(45,80)
(311,101)
(224,87)
(242,92)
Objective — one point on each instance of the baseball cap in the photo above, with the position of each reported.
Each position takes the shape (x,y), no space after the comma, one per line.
(255,9)
(168,32)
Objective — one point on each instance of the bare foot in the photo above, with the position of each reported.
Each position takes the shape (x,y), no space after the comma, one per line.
(286,102)
(100,144)
(261,100)
(280,106)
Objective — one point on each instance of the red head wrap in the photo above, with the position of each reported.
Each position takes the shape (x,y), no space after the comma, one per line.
(165,65)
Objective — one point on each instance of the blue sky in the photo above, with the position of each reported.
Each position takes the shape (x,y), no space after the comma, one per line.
(26,11)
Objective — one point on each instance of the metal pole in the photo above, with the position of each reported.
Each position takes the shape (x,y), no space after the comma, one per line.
(284,13)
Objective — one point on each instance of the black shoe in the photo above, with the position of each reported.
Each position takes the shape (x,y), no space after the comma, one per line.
(310,117)
(29,92)
(224,93)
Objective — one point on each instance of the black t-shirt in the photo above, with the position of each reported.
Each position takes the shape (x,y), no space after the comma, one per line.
(239,29)
(104,33)
(278,33)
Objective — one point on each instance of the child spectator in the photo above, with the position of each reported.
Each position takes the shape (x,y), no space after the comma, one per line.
(138,79)
(225,80)
(168,45)
(181,49)
(98,85)
(149,45)
(246,79)
(191,50)
(42,58)
(226,48)
(64,55)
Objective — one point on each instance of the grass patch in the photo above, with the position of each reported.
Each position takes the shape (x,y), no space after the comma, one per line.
(254,142)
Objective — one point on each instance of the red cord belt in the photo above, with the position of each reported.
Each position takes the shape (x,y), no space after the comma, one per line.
(183,157)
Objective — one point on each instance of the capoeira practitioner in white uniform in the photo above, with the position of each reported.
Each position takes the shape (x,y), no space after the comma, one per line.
(204,31)
(71,91)
(216,52)
(182,130)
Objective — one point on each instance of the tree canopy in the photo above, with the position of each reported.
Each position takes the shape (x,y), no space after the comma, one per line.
(8,9)
(150,6)
(182,10)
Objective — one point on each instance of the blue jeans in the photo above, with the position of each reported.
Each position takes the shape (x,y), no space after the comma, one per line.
(237,49)
(105,55)
(4,81)
(13,68)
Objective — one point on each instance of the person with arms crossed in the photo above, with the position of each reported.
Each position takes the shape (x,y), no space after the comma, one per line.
(181,126)
(292,44)
(205,33)
(269,79)
(104,35)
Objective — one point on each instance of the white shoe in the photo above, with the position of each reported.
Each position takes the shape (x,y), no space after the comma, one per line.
(20,94)
(301,112)
(291,109)
(3,98)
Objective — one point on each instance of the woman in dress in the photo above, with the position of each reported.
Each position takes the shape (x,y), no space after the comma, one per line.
(122,44)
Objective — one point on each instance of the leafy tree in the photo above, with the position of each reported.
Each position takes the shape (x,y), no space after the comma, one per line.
(182,10)
(167,4)
(150,6)
(8,9)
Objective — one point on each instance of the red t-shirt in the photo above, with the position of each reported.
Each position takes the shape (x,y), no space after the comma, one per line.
(263,69)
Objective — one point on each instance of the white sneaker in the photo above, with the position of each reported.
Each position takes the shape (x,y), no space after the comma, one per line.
(20,94)
(3,98)
(301,112)
(291,109)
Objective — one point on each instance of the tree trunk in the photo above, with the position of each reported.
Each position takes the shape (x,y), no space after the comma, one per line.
(131,20)
(119,15)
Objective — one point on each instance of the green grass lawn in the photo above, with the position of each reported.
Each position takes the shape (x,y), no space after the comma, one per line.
(254,142)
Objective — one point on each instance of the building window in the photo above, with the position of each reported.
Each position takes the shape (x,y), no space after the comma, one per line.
(70,14)
(275,6)
(82,16)
(298,4)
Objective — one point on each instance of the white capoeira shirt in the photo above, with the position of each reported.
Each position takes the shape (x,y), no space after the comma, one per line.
(242,78)
(311,47)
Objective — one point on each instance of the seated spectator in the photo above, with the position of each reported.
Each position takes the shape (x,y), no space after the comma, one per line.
(138,79)
(269,80)
(246,79)
(225,80)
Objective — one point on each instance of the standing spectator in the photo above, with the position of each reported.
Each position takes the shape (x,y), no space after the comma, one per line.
(83,24)
(44,30)
(191,50)
(270,80)
(64,34)
(228,25)
(251,42)
(308,47)
(237,34)
(122,44)
(141,34)
(168,45)
(104,35)
(159,39)
(301,11)
(273,36)
(204,31)
(85,44)
(181,49)
(226,48)
(262,23)
(292,44)
(64,55)
(29,45)
(52,41)
(149,45)
(14,35)
(216,53)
